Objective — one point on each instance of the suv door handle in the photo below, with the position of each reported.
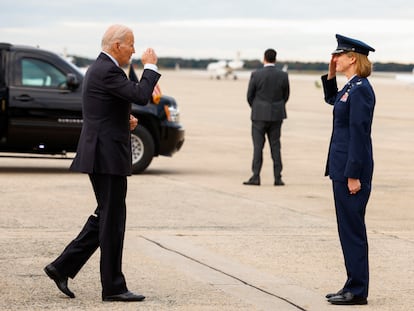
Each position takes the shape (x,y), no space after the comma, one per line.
(23,98)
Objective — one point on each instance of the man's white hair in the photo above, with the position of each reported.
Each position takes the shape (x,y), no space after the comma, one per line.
(115,33)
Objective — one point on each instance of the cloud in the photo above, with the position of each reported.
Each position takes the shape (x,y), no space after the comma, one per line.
(299,39)
(304,32)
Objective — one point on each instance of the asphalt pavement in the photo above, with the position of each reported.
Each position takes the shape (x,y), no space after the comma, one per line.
(197,239)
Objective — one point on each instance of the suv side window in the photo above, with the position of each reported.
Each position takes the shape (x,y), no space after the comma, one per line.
(39,73)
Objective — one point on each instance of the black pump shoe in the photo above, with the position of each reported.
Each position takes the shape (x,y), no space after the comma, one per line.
(347,298)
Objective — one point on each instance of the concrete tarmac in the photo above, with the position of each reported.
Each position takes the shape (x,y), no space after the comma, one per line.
(197,239)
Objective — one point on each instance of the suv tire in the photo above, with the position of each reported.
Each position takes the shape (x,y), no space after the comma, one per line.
(142,145)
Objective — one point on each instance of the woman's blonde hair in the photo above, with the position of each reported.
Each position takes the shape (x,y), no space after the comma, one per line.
(363,65)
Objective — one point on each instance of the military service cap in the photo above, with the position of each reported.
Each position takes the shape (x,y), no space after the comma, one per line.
(346,44)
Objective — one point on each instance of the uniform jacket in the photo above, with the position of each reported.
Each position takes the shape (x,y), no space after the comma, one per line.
(105,145)
(350,150)
(267,94)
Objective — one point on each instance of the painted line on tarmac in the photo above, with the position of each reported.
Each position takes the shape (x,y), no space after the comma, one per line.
(233,287)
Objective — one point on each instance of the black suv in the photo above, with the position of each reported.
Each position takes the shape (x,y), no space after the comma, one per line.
(41,109)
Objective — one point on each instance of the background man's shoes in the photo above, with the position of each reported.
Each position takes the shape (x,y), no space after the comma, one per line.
(127,296)
(253,181)
(347,298)
(61,282)
(279,182)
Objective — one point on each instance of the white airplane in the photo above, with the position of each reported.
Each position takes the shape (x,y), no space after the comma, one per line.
(225,69)
(408,78)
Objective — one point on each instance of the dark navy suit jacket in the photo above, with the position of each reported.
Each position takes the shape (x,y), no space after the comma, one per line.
(104,145)
(350,150)
(267,94)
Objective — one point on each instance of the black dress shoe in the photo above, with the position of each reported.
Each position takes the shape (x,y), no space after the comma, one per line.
(279,182)
(61,282)
(127,296)
(253,181)
(347,298)
(334,294)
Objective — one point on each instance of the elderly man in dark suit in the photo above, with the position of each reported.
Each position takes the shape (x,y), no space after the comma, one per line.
(104,152)
(267,95)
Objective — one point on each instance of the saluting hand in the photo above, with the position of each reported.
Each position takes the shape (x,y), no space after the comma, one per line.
(149,57)
(332,68)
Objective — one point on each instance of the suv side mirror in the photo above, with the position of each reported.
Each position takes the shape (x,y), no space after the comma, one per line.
(72,81)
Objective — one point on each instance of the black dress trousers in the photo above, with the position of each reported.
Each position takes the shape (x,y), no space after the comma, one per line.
(106,230)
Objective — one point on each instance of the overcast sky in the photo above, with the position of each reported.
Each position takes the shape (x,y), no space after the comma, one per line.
(302,30)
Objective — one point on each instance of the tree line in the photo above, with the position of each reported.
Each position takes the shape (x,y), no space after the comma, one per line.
(183,63)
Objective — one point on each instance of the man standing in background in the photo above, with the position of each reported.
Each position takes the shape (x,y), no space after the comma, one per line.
(267,95)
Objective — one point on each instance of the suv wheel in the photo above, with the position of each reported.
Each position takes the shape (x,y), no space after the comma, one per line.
(142,146)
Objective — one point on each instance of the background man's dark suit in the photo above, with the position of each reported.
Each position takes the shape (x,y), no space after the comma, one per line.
(104,152)
(267,94)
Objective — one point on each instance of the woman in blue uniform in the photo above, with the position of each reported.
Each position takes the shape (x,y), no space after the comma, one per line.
(350,162)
